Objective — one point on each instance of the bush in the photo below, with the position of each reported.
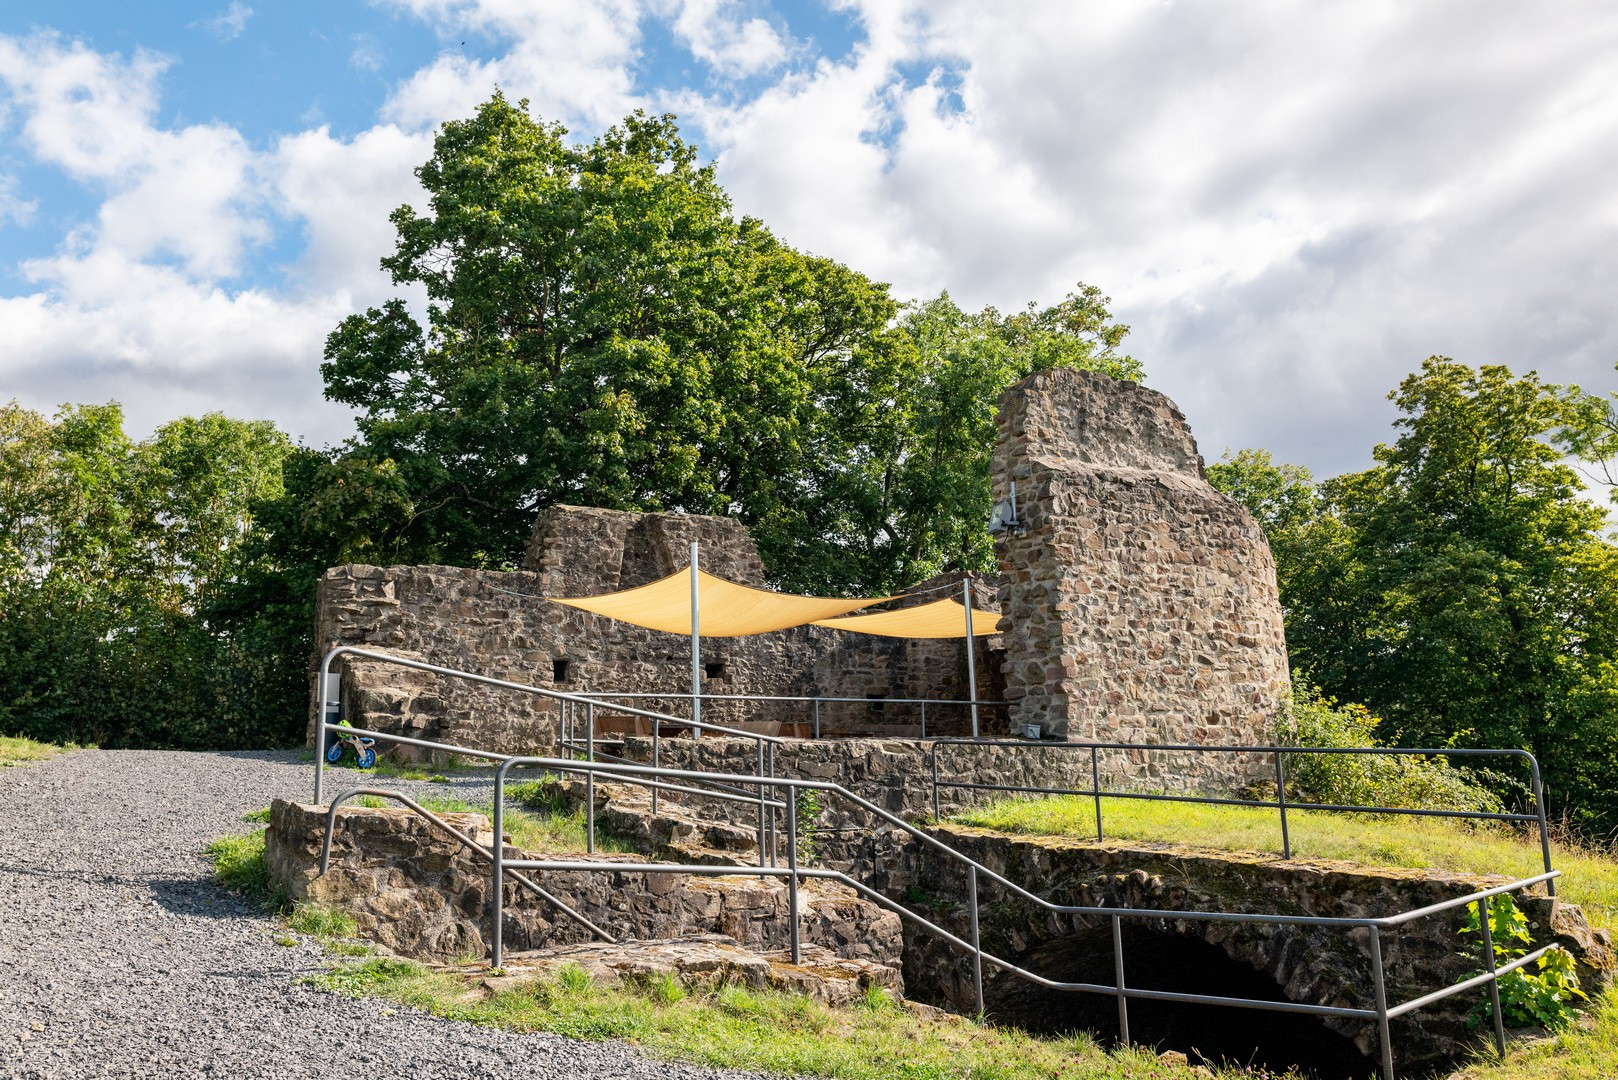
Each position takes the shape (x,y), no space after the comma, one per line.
(1399,782)
(1543,997)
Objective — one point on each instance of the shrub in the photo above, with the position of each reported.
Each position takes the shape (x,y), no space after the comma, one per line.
(1543,997)
(1396,781)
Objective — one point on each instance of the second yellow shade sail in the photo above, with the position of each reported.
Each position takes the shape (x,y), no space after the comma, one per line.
(725,609)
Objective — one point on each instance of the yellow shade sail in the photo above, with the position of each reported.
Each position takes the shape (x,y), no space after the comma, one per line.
(725,608)
(939,619)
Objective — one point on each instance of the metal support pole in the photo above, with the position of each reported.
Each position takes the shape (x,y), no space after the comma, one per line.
(977,942)
(971,654)
(1118,979)
(1494,982)
(1379,981)
(924,718)
(1095,786)
(1281,801)
(792,867)
(590,780)
(696,645)
(498,859)
(817,718)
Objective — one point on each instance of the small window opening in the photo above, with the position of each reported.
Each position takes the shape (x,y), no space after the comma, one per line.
(559,671)
(714,669)
(875,707)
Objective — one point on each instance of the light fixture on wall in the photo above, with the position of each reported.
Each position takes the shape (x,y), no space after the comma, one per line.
(1004,518)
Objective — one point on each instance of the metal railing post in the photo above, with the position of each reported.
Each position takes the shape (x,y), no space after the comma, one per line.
(497,860)
(775,821)
(590,780)
(977,940)
(924,719)
(1095,786)
(1379,981)
(817,718)
(1483,907)
(1118,979)
(1281,801)
(1544,827)
(657,751)
(323,695)
(792,868)
(761,789)
(937,812)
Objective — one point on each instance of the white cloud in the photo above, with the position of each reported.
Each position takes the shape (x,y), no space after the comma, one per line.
(229,24)
(732,46)
(1291,207)
(1291,210)
(571,60)
(13,207)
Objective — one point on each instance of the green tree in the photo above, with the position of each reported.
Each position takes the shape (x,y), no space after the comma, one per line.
(600,329)
(1463,588)
(111,553)
(913,488)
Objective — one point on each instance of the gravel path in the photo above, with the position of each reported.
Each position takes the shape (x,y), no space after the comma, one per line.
(120,957)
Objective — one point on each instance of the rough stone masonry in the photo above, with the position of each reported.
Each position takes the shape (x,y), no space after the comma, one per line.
(1141,604)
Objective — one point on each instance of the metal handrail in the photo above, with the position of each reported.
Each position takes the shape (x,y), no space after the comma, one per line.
(814,699)
(1382,1013)
(464,840)
(1280,803)
(766,823)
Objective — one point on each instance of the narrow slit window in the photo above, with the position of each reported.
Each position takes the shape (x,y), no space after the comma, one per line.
(559,670)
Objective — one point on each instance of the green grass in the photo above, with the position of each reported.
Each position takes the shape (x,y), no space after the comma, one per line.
(1586,1051)
(767,1031)
(1589,879)
(321,922)
(238,865)
(535,819)
(21,750)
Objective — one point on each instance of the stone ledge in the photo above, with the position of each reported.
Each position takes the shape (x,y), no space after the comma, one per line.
(704,962)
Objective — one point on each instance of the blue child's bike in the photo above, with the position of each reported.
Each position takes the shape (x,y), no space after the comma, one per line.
(363,754)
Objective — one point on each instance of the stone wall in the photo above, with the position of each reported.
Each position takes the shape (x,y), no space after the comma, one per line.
(1141,603)
(897,775)
(419,893)
(500,624)
(1312,964)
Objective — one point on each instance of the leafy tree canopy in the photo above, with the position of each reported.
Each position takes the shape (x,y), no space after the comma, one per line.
(602,329)
(1463,587)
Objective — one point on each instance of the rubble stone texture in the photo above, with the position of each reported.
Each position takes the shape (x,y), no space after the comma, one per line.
(419,893)
(1141,603)
(500,624)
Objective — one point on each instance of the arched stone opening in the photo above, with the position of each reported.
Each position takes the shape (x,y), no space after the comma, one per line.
(1156,959)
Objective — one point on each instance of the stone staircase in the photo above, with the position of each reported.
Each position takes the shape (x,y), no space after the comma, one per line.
(414,891)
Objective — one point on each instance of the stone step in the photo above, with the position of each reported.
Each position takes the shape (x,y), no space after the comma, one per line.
(703,962)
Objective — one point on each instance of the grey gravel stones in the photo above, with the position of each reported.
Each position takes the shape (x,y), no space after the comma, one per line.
(119,957)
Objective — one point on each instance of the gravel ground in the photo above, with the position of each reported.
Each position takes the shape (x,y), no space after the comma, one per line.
(120,957)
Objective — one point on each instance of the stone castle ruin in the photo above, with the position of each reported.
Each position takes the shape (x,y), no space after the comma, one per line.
(1139,605)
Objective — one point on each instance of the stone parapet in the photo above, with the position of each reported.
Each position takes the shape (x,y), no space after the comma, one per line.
(418,892)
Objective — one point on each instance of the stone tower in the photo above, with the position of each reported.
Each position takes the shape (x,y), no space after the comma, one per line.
(1141,604)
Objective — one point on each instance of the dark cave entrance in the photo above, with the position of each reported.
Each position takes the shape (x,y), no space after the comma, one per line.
(1207,1034)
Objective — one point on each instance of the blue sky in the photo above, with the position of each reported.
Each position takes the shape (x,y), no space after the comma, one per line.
(1291,205)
